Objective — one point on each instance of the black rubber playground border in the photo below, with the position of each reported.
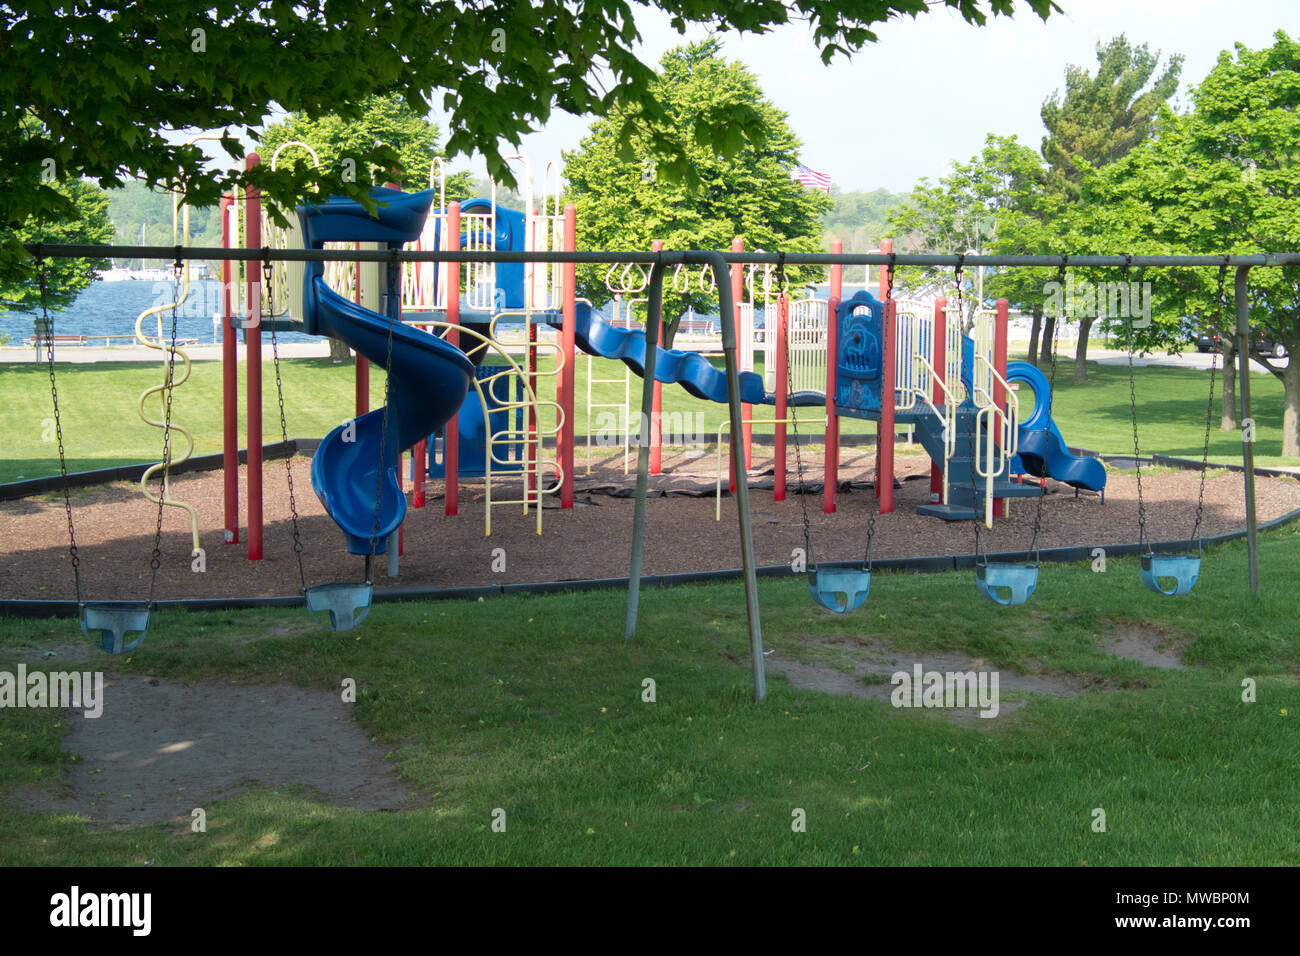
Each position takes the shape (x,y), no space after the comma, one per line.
(930,565)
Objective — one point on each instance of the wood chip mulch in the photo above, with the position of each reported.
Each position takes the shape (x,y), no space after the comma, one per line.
(114,529)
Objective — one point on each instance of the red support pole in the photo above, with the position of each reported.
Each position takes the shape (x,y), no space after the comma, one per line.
(831,473)
(1000,363)
(886,290)
(782,400)
(451,430)
(363,363)
(938,351)
(229,388)
(566,349)
(657,401)
(885,469)
(253,363)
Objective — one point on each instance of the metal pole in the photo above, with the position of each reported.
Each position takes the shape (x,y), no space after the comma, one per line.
(216,253)
(229,385)
(643,445)
(726,305)
(1247,431)
(253,363)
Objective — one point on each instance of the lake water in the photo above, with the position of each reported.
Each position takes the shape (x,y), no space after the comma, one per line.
(111,308)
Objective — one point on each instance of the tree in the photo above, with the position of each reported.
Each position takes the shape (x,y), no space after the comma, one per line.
(64,278)
(1098,120)
(109,84)
(142,216)
(1225,179)
(860,219)
(337,140)
(623,204)
(382,121)
(997,202)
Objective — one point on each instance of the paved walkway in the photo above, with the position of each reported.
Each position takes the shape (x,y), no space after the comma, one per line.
(85,354)
(1191,359)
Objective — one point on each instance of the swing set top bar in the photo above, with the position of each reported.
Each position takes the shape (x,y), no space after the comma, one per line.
(179,253)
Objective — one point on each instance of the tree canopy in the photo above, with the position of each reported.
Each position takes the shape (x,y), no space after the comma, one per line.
(64,278)
(1101,117)
(1221,178)
(623,204)
(382,121)
(113,84)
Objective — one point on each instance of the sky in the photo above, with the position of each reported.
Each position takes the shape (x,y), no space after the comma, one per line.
(932,88)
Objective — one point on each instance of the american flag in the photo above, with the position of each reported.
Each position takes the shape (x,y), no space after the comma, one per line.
(810,177)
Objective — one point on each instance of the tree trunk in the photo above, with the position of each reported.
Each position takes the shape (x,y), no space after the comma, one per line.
(1034,328)
(1081,350)
(1228,412)
(338,351)
(1049,334)
(1291,411)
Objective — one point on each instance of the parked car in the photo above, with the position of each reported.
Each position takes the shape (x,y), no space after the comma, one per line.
(1210,342)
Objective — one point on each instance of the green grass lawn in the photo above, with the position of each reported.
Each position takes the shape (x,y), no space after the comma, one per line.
(102,427)
(533,704)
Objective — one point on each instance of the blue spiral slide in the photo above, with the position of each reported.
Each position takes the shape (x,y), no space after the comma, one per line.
(1042,449)
(428,377)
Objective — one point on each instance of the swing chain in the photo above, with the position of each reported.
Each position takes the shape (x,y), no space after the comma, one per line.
(155,559)
(47,329)
(970,432)
(1209,412)
(284,428)
(383,431)
(1132,400)
(1051,395)
(794,415)
(884,350)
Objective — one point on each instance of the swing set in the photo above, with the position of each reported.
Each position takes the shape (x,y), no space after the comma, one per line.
(845,589)
(117,627)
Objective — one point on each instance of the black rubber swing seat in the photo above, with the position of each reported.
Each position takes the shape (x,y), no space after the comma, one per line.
(1006,583)
(346,604)
(840,589)
(1182,569)
(106,625)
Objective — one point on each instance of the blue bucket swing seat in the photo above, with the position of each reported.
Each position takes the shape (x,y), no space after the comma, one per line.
(340,606)
(840,590)
(1180,569)
(108,624)
(1006,583)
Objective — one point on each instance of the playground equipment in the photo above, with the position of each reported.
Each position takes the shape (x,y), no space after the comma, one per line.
(1180,570)
(114,627)
(181,290)
(954,392)
(840,590)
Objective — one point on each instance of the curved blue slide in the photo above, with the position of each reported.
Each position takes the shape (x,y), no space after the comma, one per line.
(691,370)
(428,377)
(1042,449)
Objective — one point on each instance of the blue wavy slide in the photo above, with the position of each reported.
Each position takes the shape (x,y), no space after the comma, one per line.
(691,370)
(1042,448)
(428,377)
